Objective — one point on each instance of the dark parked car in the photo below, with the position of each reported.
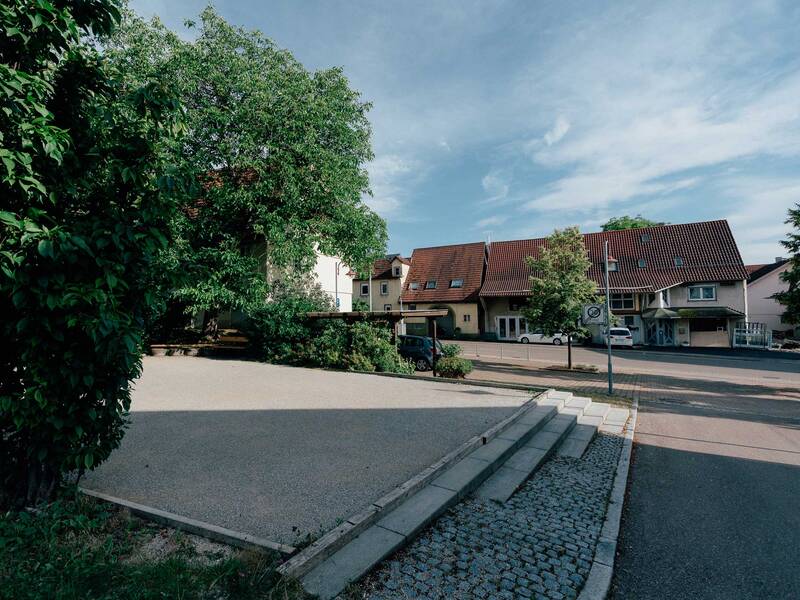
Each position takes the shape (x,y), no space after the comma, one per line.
(419,349)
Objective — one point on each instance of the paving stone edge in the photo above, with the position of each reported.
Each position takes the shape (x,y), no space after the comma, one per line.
(336,538)
(598,583)
(206,530)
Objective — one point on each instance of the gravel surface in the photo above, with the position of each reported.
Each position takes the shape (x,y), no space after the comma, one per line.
(539,544)
(282,452)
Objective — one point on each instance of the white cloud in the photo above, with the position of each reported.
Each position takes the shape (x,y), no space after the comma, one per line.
(760,207)
(558,131)
(388,175)
(496,183)
(492,221)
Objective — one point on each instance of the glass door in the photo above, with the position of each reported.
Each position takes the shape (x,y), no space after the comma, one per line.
(502,328)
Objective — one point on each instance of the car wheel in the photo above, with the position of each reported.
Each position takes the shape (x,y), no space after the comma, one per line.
(422,364)
(557,342)
(525,340)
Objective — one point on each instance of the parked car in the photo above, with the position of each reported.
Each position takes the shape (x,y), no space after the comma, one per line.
(419,349)
(537,337)
(621,336)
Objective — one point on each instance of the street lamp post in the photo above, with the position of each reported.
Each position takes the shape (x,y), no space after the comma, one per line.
(608,323)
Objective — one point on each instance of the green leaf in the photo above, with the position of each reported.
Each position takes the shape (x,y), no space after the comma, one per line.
(45,248)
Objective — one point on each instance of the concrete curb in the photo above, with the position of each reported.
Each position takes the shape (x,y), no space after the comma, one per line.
(338,537)
(206,530)
(477,383)
(599,581)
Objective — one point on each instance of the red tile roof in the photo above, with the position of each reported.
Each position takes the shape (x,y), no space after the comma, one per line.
(708,251)
(443,264)
(382,268)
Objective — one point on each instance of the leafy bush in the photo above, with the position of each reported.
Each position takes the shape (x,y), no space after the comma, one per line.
(360,305)
(454,367)
(451,350)
(278,330)
(280,333)
(85,202)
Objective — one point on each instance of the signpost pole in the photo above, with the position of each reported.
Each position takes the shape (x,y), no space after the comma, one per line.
(608,323)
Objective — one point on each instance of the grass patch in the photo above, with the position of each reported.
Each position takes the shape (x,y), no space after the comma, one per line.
(79,548)
(615,400)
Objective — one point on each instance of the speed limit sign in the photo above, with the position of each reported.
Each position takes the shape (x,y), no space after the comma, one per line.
(594,313)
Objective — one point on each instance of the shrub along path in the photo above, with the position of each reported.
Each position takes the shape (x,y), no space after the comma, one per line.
(283,452)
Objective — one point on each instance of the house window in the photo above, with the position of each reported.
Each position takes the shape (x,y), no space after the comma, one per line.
(430,285)
(645,237)
(365,289)
(642,263)
(702,292)
(613,266)
(412,307)
(678,261)
(467,318)
(387,307)
(622,301)
(396,271)
(629,321)
(456,283)
(384,288)
(413,285)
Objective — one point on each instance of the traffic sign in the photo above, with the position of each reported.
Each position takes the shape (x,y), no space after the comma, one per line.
(594,314)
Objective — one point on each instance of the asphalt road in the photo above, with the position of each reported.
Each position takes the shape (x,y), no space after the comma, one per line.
(281,452)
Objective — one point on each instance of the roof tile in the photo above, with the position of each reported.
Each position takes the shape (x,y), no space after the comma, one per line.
(707,249)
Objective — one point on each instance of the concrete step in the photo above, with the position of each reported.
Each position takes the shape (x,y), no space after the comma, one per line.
(580,437)
(400,525)
(597,409)
(525,461)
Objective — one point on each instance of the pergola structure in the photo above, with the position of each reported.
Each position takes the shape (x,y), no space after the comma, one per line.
(392,316)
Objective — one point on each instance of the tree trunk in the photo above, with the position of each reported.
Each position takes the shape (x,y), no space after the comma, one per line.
(569,351)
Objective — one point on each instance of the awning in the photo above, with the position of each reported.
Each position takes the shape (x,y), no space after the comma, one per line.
(715,312)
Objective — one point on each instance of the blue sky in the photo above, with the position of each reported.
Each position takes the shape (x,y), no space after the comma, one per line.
(507,119)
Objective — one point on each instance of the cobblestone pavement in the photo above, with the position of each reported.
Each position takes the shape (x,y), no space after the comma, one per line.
(539,544)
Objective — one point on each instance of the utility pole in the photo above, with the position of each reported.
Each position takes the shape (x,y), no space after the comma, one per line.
(608,323)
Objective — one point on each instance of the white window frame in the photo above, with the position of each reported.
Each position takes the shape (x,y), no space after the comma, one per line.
(613,266)
(413,285)
(365,289)
(430,284)
(454,281)
(384,288)
(387,307)
(467,318)
(702,297)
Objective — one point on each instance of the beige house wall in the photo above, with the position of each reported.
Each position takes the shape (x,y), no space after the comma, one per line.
(763,308)
(460,309)
(732,296)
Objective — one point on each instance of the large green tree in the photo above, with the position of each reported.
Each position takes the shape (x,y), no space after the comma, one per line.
(628,222)
(278,152)
(791,297)
(84,207)
(560,286)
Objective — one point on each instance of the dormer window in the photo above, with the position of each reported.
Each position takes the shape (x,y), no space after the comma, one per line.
(456,283)
(645,237)
(642,263)
(396,271)
(430,285)
(678,261)
(413,285)
(613,265)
